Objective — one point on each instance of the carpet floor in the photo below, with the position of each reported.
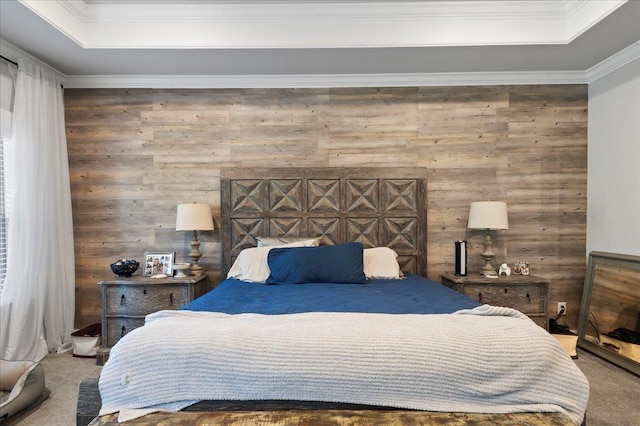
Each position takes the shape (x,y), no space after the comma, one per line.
(613,400)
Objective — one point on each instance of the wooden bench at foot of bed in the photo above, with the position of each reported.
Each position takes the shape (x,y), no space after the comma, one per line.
(89,406)
(337,418)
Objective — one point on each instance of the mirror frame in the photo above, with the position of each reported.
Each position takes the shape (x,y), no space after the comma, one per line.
(610,259)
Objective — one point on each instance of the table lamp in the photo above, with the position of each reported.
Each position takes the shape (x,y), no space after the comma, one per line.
(194,217)
(488,215)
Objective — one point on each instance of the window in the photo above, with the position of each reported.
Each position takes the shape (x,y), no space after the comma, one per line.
(3,218)
(5,200)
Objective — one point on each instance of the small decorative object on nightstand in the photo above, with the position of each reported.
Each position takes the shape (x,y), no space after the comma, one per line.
(504,270)
(182,269)
(521,268)
(526,293)
(124,267)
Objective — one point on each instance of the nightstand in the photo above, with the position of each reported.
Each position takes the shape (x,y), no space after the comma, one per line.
(526,293)
(126,301)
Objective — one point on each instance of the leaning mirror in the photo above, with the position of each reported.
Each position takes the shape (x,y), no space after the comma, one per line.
(609,324)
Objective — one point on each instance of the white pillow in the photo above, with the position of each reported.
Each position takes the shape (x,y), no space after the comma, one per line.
(380,262)
(251,264)
(278,241)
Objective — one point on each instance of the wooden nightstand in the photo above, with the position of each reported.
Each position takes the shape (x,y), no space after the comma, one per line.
(126,302)
(526,293)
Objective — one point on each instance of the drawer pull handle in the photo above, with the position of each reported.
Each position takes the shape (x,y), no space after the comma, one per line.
(506,290)
(171,299)
(480,297)
(122,300)
(144,291)
(528,298)
(122,331)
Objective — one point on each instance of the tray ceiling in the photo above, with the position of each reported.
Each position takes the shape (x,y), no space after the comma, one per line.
(209,37)
(318,24)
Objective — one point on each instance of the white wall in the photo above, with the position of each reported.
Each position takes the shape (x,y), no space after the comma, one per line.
(613,182)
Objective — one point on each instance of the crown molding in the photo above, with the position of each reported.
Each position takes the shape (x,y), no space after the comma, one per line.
(318,24)
(323,80)
(60,14)
(238,11)
(584,14)
(613,62)
(77,8)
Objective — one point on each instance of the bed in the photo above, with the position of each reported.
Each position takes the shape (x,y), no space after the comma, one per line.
(315,338)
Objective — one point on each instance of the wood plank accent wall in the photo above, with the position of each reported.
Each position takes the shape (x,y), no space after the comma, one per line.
(134,154)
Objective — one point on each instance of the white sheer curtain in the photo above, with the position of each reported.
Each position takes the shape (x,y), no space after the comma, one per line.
(38,302)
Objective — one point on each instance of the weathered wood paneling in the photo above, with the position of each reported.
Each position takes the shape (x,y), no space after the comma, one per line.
(135,154)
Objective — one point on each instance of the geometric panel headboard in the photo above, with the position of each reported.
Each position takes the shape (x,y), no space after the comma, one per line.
(377,206)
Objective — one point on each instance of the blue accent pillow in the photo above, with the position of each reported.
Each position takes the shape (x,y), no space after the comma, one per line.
(341,263)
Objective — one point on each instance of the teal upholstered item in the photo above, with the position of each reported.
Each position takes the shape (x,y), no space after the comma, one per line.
(22,386)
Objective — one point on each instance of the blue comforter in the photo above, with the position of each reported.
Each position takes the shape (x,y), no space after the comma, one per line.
(412,295)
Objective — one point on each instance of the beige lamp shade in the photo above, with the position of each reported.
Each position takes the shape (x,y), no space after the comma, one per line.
(194,217)
(488,215)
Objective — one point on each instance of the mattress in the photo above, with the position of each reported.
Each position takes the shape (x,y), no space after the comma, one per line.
(413,294)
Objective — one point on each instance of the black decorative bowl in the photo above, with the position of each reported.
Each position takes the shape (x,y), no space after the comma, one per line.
(124,267)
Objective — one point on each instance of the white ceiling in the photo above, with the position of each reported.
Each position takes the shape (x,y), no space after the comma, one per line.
(259,37)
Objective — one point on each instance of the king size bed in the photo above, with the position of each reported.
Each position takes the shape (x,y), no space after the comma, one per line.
(326,318)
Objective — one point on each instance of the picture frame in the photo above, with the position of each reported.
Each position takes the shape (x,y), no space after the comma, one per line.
(155,263)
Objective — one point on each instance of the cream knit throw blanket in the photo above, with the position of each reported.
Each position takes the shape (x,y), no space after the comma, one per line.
(488,359)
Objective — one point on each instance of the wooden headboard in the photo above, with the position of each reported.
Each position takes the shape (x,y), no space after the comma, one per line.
(373,206)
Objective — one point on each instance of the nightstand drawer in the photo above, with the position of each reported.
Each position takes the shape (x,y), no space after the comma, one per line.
(117,328)
(144,299)
(528,294)
(525,298)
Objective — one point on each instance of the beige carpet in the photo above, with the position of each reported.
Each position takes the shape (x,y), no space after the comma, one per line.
(614,392)
(614,398)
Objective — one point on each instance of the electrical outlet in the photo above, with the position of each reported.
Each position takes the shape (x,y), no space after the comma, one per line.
(562,308)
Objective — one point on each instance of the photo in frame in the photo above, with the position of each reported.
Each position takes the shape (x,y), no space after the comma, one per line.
(158,263)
